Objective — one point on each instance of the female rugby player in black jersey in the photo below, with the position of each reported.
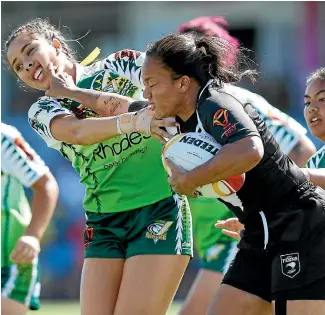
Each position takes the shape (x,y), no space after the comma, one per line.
(282,251)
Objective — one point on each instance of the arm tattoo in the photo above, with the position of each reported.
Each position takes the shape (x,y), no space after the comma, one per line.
(113,104)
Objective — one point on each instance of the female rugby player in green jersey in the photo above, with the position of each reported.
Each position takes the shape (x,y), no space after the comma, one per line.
(138,238)
(22,224)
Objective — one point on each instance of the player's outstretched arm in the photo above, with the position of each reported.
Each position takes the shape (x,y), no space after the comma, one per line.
(45,195)
(103,103)
(23,163)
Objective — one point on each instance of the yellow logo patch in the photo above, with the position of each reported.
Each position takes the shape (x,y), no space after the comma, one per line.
(158,230)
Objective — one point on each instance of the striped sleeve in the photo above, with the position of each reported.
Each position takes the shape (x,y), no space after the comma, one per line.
(19,159)
(40,115)
(286,131)
(317,160)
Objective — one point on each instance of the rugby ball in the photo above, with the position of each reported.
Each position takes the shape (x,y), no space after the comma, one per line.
(192,149)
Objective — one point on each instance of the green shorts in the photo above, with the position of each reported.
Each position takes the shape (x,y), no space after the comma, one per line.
(219,256)
(21,283)
(215,249)
(162,228)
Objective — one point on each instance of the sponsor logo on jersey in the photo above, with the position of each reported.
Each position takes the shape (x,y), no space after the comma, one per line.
(290,264)
(200,144)
(221,119)
(103,151)
(158,230)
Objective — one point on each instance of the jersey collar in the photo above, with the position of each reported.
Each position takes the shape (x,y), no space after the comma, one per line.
(208,83)
(79,72)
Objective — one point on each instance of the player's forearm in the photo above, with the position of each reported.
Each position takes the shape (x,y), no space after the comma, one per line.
(231,160)
(103,103)
(302,151)
(95,130)
(316,176)
(43,204)
(69,129)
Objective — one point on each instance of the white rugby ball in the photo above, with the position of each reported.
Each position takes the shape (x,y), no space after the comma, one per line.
(192,149)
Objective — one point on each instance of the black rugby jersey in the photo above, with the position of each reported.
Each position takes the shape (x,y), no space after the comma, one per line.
(226,112)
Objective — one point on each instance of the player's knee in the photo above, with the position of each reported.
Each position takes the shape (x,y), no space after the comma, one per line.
(230,300)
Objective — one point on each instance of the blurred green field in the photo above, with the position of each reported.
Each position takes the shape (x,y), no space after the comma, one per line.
(72,308)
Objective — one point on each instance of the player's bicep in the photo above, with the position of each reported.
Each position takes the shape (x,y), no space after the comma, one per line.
(64,128)
(41,116)
(228,122)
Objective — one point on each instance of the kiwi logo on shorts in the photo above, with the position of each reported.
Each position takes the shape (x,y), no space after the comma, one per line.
(158,230)
(290,264)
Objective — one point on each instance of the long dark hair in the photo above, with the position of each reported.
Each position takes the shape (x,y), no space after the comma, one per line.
(202,58)
(43,28)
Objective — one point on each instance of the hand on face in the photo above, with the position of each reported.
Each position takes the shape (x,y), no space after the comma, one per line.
(145,122)
(160,129)
(61,83)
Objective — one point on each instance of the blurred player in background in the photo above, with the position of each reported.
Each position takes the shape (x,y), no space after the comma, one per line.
(315,113)
(138,235)
(215,249)
(22,225)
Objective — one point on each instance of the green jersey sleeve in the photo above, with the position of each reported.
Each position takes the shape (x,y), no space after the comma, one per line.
(40,115)
(317,160)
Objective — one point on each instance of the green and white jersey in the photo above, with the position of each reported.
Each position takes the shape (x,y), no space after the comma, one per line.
(121,173)
(20,167)
(317,160)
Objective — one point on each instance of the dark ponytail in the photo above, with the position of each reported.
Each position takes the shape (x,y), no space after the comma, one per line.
(202,58)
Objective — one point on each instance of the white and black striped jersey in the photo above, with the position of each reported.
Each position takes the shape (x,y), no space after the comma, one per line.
(18,159)
(20,166)
(228,114)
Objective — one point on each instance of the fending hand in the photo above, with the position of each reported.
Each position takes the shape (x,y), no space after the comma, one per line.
(61,83)
(230,227)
